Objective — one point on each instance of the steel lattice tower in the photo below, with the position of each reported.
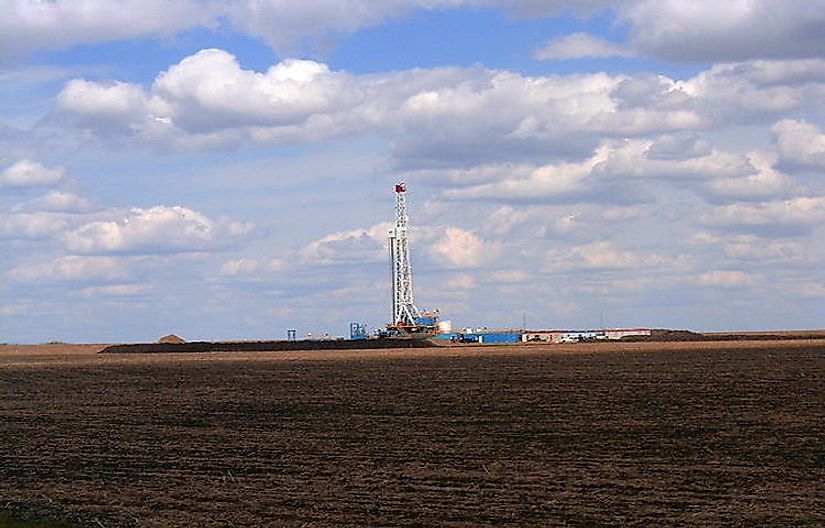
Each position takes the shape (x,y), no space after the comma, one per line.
(404,311)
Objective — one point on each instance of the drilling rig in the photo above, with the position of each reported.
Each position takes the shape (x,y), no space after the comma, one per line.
(407,318)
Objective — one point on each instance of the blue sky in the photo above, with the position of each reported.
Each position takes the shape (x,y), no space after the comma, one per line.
(224,170)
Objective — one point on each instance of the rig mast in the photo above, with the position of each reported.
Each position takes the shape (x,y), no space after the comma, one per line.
(406,317)
(404,310)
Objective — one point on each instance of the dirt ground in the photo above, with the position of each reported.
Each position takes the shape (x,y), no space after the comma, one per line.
(644,434)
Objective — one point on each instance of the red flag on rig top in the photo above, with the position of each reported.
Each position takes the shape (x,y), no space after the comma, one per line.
(400,187)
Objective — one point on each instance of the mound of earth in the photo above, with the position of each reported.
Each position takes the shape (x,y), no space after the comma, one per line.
(676,335)
(171,339)
(265,346)
(663,335)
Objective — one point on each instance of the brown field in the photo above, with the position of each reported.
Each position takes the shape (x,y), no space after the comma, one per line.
(646,434)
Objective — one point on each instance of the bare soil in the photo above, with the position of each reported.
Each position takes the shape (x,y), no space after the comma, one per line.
(633,434)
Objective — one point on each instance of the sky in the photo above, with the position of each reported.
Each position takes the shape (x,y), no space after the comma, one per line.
(224,169)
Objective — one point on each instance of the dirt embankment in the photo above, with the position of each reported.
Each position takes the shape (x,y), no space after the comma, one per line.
(177,345)
(264,346)
(666,336)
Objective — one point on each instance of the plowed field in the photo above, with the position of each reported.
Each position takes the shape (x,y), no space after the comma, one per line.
(645,434)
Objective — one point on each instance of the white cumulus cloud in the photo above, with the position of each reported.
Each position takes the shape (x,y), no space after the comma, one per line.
(104,104)
(600,255)
(434,118)
(357,245)
(792,217)
(73,269)
(34,225)
(580,45)
(800,143)
(209,90)
(31,25)
(59,202)
(28,173)
(244,267)
(460,248)
(157,230)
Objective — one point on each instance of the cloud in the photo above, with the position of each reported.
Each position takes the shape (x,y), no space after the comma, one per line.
(28,173)
(713,174)
(31,25)
(209,91)
(110,104)
(459,282)
(709,30)
(116,290)
(754,248)
(157,230)
(283,23)
(245,267)
(208,100)
(814,290)
(72,269)
(444,117)
(511,276)
(727,279)
(526,221)
(59,202)
(801,144)
(562,182)
(494,115)
(678,147)
(33,226)
(287,26)
(631,159)
(601,255)
(433,116)
(460,248)
(551,7)
(671,30)
(794,217)
(357,245)
(625,172)
(579,46)
(765,182)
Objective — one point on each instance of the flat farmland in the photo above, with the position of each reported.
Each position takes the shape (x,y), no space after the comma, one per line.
(644,434)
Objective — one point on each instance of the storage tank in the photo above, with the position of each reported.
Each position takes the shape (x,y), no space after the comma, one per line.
(444,327)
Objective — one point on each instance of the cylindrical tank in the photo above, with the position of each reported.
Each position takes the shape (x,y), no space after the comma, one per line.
(444,327)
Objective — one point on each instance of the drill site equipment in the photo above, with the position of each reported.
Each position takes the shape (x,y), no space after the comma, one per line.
(407,318)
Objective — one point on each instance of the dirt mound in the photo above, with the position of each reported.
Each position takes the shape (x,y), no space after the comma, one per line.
(264,346)
(171,339)
(663,335)
(676,335)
